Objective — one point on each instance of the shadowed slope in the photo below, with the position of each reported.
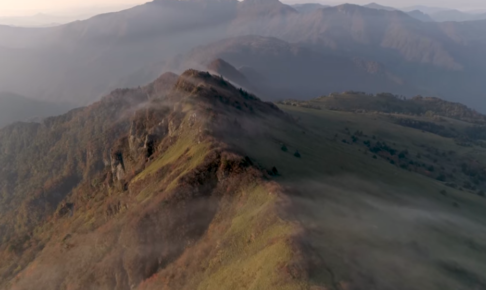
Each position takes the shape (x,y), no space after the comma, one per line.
(222,68)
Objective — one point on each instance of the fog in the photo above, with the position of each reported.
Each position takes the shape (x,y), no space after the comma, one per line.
(381,237)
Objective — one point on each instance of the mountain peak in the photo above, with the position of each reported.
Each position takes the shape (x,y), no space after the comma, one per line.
(260,2)
(374,5)
(228,71)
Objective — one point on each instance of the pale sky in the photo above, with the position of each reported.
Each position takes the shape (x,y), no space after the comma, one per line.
(30,7)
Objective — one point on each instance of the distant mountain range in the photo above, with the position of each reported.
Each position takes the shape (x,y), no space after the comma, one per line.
(308,7)
(380,7)
(434,13)
(275,69)
(456,15)
(81,61)
(14,108)
(38,20)
(59,17)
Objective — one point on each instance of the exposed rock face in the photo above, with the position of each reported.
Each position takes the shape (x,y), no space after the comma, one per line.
(117,166)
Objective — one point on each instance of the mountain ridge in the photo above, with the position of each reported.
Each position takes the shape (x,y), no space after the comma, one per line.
(94,53)
(184,182)
(15,108)
(120,164)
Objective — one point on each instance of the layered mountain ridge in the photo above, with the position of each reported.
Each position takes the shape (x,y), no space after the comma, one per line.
(14,108)
(93,56)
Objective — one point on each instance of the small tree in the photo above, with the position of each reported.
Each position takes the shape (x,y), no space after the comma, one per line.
(297,154)
(284,148)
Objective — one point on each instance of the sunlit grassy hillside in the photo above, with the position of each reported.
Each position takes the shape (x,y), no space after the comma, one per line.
(191,183)
(384,205)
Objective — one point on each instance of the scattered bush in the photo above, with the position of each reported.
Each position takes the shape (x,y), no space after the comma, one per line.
(441,177)
(284,148)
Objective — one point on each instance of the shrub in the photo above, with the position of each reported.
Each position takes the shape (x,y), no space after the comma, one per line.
(403,154)
(441,177)
(297,154)
(275,170)
(284,148)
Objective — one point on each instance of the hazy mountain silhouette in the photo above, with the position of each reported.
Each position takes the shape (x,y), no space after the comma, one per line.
(456,15)
(379,7)
(86,59)
(425,9)
(308,7)
(295,71)
(14,108)
(37,20)
(223,68)
(276,69)
(417,14)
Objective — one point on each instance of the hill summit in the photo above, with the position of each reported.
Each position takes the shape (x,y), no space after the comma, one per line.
(142,187)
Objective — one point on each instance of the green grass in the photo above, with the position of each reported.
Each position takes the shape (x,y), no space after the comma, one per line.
(371,223)
(184,147)
(255,248)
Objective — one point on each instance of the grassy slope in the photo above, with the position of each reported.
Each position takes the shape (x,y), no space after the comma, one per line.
(247,247)
(371,224)
(254,241)
(195,217)
(198,216)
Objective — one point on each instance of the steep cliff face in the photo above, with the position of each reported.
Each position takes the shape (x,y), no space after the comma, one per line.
(152,198)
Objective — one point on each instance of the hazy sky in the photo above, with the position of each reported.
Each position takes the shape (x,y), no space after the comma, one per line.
(28,7)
